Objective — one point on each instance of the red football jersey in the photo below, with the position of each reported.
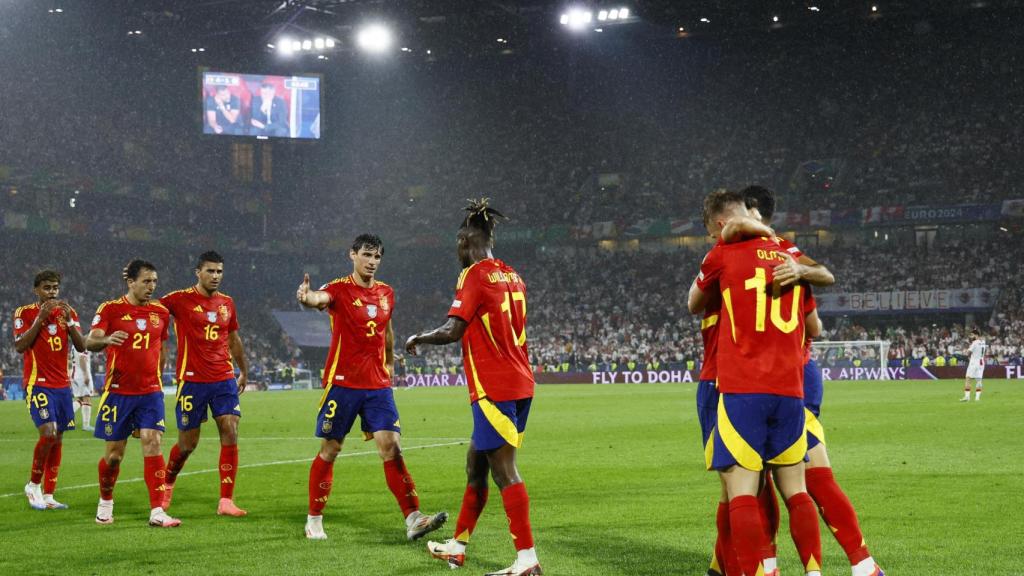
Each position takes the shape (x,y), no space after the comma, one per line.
(788,246)
(133,368)
(709,333)
(359,320)
(46,361)
(491,297)
(760,345)
(202,324)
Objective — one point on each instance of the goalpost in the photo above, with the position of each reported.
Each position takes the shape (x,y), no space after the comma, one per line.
(871,353)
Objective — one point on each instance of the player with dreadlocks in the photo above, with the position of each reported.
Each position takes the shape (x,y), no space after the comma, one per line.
(489,317)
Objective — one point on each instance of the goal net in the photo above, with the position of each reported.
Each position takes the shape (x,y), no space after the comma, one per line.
(871,356)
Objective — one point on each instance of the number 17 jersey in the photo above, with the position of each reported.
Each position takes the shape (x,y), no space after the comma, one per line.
(491,298)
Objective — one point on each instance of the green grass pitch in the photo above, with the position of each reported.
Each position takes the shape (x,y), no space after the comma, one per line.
(614,474)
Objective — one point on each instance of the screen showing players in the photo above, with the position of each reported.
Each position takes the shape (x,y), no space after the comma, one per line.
(261,105)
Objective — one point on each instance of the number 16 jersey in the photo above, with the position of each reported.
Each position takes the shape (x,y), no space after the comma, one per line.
(491,297)
(761,332)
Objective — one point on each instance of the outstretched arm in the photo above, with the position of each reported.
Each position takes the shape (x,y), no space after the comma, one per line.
(311,298)
(450,331)
(741,227)
(805,269)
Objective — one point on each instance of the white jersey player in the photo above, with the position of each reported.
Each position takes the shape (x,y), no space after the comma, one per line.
(81,386)
(975,367)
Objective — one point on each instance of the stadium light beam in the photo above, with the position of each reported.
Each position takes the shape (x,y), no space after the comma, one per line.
(319,43)
(577,19)
(374,38)
(623,13)
(329,42)
(602,15)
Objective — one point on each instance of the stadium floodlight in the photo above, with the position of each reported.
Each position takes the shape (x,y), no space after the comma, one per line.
(329,42)
(307,44)
(814,9)
(705,20)
(374,38)
(319,43)
(775,19)
(577,18)
(564,19)
(623,13)
(296,45)
(613,14)
(602,15)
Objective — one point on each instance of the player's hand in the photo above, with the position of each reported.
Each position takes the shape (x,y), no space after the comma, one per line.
(410,345)
(117,338)
(48,307)
(68,310)
(218,129)
(243,380)
(789,272)
(303,290)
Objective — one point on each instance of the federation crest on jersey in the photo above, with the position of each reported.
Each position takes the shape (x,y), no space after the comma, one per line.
(225,314)
(327,426)
(371,310)
(184,419)
(52,329)
(384,303)
(108,429)
(140,323)
(44,413)
(211,317)
(154,319)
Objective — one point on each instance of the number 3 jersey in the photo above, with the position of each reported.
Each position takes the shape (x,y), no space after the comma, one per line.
(491,297)
(359,321)
(761,329)
(133,368)
(202,325)
(46,361)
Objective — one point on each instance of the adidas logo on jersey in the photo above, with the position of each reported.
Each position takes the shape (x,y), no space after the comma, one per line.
(127,317)
(358,302)
(198,308)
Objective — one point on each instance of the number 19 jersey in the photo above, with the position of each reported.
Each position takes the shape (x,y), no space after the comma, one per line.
(761,333)
(491,298)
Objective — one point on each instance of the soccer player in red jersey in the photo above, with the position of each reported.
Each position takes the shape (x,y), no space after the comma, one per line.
(42,331)
(489,316)
(132,330)
(832,502)
(209,348)
(760,416)
(357,382)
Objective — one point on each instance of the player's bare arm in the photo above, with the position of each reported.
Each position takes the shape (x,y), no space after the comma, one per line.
(805,269)
(450,331)
(311,298)
(237,351)
(389,347)
(812,324)
(97,340)
(24,342)
(696,300)
(740,227)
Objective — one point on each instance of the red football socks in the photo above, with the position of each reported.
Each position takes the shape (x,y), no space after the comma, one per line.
(401,485)
(517,508)
(838,512)
(724,551)
(228,470)
(321,477)
(108,478)
(154,470)
(769,503)
(473,503)
(175,462)
(52,468)
(803,526)
(39,457)
(747,533)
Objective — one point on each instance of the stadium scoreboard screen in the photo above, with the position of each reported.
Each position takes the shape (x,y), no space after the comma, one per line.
(261,105)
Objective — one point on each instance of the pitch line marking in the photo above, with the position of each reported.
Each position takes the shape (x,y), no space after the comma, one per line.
(256,465)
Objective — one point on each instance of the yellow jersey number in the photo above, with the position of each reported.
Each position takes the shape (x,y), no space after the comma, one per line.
(758,283)
(140,341)
(56,344)
(513,313)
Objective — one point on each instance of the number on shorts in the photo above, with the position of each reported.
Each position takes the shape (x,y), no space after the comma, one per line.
(332,407)
(108,413)
(186,403)
(40,400)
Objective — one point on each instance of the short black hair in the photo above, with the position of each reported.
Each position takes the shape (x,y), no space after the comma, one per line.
(371,241)
(715,203)
(759,197)
(209,256)
(481,218)
(132,270)
(221,88)
(46,276)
